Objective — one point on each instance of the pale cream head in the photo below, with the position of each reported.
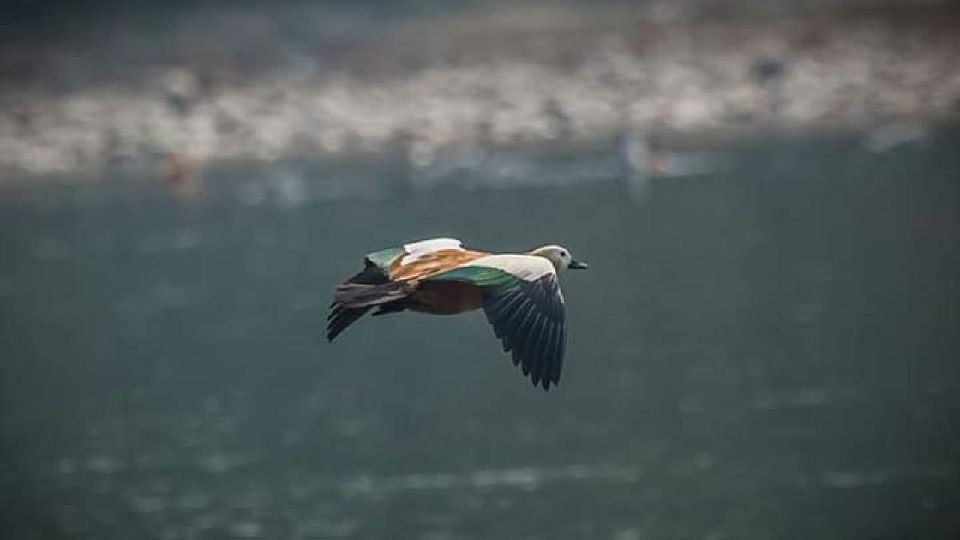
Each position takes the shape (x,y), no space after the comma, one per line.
(560,257)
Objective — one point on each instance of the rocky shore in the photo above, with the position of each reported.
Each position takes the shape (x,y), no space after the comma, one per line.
(440,84)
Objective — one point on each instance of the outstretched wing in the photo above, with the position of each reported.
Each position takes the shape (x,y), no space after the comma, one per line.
(529,320)
(523,302)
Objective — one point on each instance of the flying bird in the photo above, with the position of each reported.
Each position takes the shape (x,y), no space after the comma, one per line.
(518,292)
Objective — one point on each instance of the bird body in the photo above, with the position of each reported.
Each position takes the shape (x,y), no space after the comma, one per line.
(519,293)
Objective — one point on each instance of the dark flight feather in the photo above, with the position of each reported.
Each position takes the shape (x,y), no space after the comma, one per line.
(529,320)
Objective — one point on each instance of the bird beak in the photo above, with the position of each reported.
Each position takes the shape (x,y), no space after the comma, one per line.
(578,265)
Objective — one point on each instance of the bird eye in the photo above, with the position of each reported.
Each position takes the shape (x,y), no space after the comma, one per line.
(563,253)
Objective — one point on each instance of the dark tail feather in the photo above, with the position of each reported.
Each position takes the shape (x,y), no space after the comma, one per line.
(340,318)
(386,309)
(353,299)
(358,295)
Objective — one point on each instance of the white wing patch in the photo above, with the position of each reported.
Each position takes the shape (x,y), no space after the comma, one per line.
(415,250)
(525,267)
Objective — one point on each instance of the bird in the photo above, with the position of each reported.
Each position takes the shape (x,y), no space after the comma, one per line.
(518,292)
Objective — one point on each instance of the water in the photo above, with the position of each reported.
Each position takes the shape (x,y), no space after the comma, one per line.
(765,349)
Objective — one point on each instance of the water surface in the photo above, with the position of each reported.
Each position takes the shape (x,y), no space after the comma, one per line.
(764,350)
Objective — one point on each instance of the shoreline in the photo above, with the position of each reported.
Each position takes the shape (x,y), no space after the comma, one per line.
(578,79)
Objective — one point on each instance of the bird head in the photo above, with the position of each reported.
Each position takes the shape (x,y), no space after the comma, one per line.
(560,256)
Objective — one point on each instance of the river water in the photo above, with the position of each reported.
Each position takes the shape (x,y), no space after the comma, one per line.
(764,347)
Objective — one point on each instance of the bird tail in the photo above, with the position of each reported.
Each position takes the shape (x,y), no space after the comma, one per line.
(340,318)
(353,300)
(360,295)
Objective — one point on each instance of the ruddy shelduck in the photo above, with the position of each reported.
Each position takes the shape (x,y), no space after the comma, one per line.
(518,292)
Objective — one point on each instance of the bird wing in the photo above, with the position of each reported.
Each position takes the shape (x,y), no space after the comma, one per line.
(390,260)
(523,303)
(429,264)
(428,257)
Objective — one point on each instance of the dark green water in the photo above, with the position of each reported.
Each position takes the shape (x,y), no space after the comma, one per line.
(765,351)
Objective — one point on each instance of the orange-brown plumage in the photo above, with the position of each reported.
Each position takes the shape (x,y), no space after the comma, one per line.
(446,298)
(428,264)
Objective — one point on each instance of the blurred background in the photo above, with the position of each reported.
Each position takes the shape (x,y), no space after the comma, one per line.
(765,346)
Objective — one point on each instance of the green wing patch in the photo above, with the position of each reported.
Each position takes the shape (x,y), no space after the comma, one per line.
(491,280)
(383,258)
